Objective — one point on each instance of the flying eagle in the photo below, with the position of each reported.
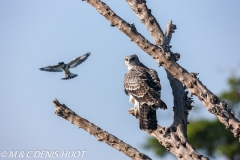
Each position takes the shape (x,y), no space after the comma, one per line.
(143,86)
(61,66)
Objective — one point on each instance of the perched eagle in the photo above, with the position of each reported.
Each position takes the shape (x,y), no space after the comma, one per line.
(65,67)
(143,86)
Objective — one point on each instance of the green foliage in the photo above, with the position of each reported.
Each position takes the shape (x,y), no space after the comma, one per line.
(210,136)
(213,138)
(232,96)
(153,144)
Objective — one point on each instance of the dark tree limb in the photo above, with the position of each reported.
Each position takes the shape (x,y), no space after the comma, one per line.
(168,61)
(180,97)
(173,139)
(63,111)
(179,94)
(146,17)
(173,142)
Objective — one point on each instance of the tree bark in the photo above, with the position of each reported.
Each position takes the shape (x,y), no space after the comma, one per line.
(168,61)
(182,103)
(173,138)
(63,111)
(180,97)
(168,137)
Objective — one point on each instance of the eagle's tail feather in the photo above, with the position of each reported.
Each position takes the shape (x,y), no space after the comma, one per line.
(147,118)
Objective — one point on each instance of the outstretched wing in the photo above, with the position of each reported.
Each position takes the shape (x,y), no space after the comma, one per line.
(139,83)
(76,61)
(54,68)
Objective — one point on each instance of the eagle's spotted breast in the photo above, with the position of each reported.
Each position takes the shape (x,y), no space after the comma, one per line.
(140,84)
(144,86)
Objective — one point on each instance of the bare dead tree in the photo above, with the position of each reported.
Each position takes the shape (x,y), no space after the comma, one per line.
(173,138)
(167,59)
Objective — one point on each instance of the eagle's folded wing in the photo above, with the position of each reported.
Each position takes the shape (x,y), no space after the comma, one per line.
(155,79)
(141,86)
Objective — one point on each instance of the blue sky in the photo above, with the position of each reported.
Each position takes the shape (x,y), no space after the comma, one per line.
(38,33)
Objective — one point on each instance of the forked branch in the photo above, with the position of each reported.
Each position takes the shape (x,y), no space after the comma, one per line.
(63,111)
(181,106)
(168,137)
(168,61)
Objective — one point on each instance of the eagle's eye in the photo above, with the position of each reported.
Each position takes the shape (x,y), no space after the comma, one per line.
(126,59)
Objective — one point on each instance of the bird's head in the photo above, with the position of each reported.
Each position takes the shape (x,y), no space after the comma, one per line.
(60,63)
(131,61)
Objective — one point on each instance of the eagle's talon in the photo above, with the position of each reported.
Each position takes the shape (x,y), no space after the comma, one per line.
(133,111)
